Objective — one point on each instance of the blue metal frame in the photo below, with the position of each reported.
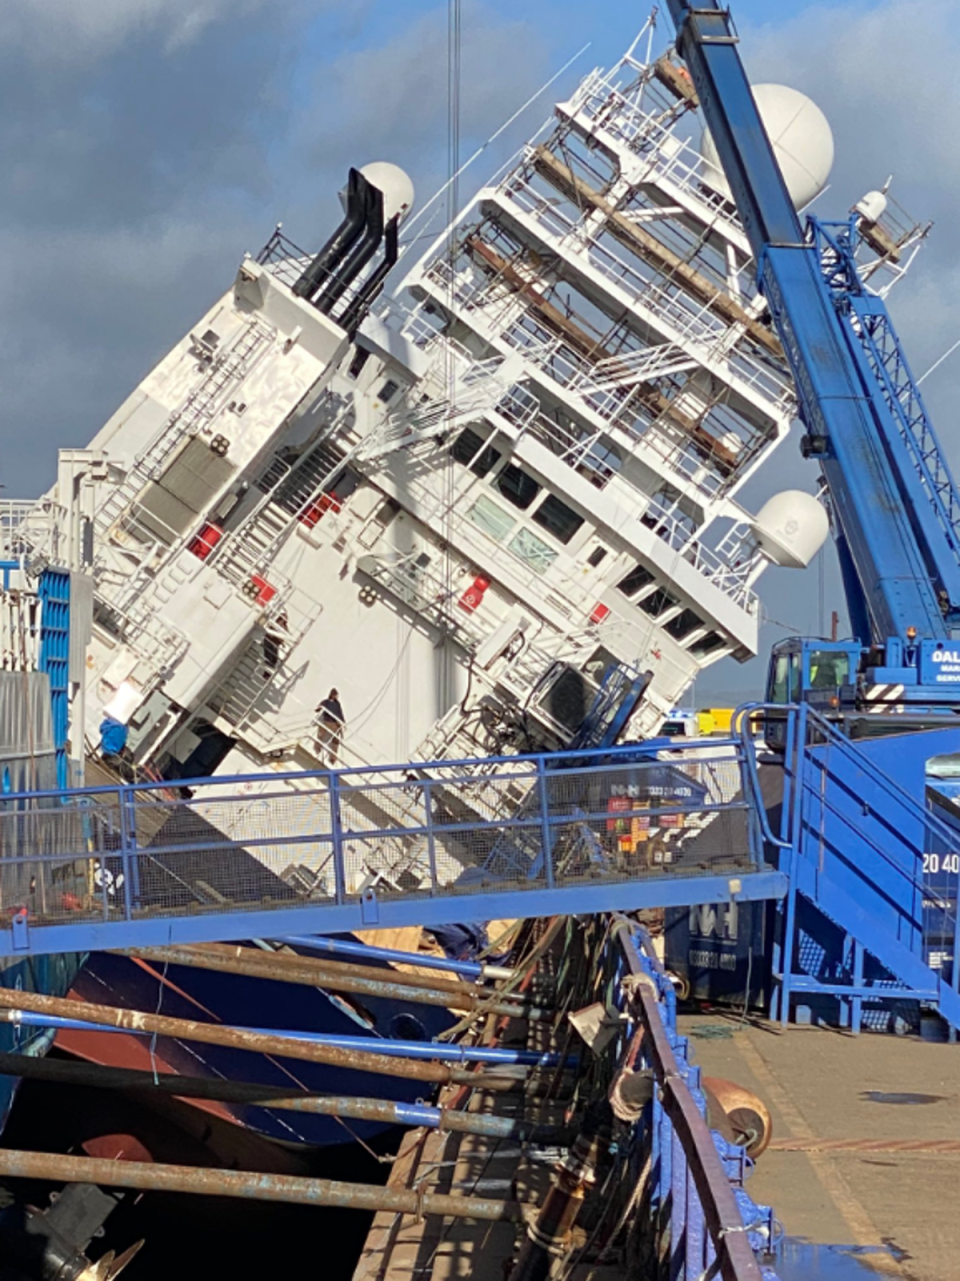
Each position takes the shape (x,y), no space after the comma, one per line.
(696,1208)
(54,595)
(535,885)
(852,844)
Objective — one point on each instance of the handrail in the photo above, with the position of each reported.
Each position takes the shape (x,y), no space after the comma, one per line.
(542,761)
(741,719)
(836,739)
(647,997)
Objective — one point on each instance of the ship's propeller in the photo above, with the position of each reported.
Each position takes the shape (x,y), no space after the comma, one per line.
(110,1265)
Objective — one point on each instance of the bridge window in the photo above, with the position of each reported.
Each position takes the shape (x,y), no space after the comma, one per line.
(707,644)
(491,518)
(684,623)
(470,449)
(658,602)
(533,550)
(635,581)
(557,518)
(517,487)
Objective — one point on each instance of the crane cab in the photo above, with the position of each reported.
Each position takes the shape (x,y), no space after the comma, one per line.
(821,673)
(812,671)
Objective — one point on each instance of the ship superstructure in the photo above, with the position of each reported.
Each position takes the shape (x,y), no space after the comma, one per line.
(463,510)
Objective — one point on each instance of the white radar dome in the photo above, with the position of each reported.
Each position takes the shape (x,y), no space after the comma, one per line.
(395,184)
(791,527)
(872,206)
(802,142)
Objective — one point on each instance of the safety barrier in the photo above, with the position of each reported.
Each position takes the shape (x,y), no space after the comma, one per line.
(268,854)
(865,851)
(688,1210)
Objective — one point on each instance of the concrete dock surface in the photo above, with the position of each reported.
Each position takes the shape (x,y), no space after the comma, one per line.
(866,1139)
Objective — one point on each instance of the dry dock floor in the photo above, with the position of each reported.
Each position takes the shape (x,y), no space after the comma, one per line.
(844,1108)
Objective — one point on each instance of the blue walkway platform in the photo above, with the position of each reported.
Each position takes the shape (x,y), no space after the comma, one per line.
(840,833)
(421,843)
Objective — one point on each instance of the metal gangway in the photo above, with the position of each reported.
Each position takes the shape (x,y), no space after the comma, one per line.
(273,854)
(864,866)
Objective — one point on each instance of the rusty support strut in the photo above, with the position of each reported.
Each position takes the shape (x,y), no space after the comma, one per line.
(294,1190)
(251,1094)
(340,977)
(11,1002)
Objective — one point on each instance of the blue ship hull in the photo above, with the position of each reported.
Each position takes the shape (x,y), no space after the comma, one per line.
(48,975)
(181,992)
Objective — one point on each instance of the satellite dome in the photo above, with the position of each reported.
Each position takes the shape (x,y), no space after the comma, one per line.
(802,142)
(395,184)
(872,206)
(791,527)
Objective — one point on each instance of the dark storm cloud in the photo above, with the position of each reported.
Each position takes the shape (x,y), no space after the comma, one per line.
(134,169)
(389,101)
(144,144)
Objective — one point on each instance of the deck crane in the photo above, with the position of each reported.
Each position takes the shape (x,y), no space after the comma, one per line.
(895,506)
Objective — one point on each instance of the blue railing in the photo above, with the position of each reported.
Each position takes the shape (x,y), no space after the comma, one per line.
(420,842)
(857,844)
(690,1203)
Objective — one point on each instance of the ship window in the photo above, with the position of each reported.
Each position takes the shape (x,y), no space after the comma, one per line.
(533,550)
(598,663)
(657,602)
(517,487)
(596,556)
(360,358)
(386,512)
(557,518)
(637,578)
(491,518)
(469,449)
(684,623)
(707,644)
(388,390)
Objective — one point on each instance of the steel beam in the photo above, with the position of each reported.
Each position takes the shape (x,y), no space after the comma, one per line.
(653,890)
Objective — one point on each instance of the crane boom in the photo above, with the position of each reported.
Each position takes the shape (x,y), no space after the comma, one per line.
(895,505)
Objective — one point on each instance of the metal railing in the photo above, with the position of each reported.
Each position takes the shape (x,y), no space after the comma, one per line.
(866,841)
(416,834)
(689,1214)
(690,320)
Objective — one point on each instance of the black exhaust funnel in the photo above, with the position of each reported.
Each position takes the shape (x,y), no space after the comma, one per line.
(342,240)
(357,309)
(348,268)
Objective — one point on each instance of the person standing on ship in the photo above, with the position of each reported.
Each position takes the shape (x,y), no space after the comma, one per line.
(330,727)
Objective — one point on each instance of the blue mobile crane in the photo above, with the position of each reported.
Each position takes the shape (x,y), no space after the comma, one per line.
(894,504)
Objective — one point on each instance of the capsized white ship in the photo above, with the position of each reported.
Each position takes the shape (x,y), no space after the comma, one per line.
(469,507)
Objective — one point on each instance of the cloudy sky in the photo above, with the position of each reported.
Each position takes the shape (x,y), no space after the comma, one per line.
(146,144)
